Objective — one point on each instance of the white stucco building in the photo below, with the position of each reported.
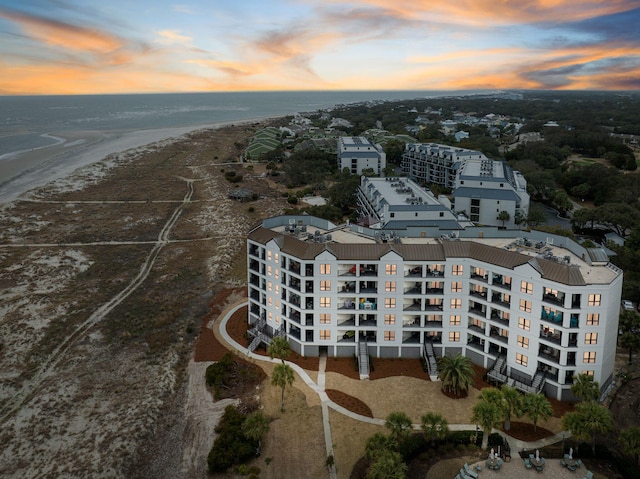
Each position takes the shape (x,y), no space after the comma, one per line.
(356,153)
(534,311)
(481,188)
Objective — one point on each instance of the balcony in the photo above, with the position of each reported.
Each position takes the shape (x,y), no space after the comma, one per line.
(348,304)
(367,304)
(414,272)
(254,251)
(368,287)
(549,353)
(416,289)
(368,320)
(478,310)
(348,321)
(254,266)
(480,277)
(497,315)
(347,337)
(476,327)
(495,334)
(347,286)
(294,267)
(557,300)
(412,322)
(502,299)
(369,270)
(551,315)
(482,294)
(435,290)
(501,281)
(415,305)
(295,316)
(412,338)
(433,306)
(553,337)
(435,273)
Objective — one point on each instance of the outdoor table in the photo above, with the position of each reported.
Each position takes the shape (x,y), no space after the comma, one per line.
(538,463)
(492,462)
(571,463)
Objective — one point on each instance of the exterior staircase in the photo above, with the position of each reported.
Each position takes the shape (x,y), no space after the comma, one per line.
(432,361)
(538,381)
(363,360)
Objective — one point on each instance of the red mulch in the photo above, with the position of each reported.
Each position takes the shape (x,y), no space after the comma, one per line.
(349,402)
(525,432)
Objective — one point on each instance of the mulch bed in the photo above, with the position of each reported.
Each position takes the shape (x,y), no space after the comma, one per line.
(349,402)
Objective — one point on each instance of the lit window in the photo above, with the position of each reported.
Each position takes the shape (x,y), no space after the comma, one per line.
(390,302)
(277,288)
(591,338)
(390,286)
(593,319)
(523,342)
(524,324)
(325,302)
(456,303)
(269,285)
(277,303)
(269,255)
(270,316)
(389,335)
(325,334)
(325,318)
(325,269)
(456,270)
(276,273)
(526,287)
(456,287)
(454,320)
(277,319)
(454,336)
(587,372)
(391,269)
(270,301)
(269,270)
(325,285)
(389,319)
(589,357)
(525,306)
(594,300)
(276,257)
(521,359)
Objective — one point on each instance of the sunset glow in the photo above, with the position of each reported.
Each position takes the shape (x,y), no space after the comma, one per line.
(53,47)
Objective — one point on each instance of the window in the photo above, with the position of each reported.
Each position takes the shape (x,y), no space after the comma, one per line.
(390,302)
(270,317)
(390,286)
(591,338)
(325,302)
(389,319)
(269,255)
(389,335)
(277,304)
(276,273)
(587,372)
(521,359)
(593,319)
(325,334)
(269,285)
(524,324)
(456,303)
(523,342)
(526,287)
(325,269)
(454,336)
(456,270)
(270,301)
(269,270)
(589,357)
(456,287)
(276,257)
(277,288)
(325,318)
(525,305)
(454,320)
(391,269)
(594,300)
(325,285)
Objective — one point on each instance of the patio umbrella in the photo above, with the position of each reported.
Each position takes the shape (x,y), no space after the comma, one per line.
(537,454)
(492,454)
(570,453)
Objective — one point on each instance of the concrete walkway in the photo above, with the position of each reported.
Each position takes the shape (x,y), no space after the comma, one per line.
(326,403)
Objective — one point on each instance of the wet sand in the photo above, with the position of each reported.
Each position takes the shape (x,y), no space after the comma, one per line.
(37,167)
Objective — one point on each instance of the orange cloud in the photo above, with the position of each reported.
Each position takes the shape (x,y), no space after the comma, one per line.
(67,36)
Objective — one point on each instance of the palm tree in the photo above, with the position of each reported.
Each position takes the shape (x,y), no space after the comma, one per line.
(629,321)
(630,341)
(588,419)
(388,465)
(537,407)
(455,372)
(282,377)
(399,424)
(255,426)
(434,426)
(504,216)
(629,441)
(376,444)
(585,387)
(512,400)
(279,348)
(488,415)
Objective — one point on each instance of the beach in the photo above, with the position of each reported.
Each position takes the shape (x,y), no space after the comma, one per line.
(29,169)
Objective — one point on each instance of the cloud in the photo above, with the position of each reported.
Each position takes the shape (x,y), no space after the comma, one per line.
(171,37)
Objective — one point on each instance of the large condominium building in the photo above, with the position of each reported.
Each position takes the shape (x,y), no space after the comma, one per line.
(534,311)
(356,153)
(481,188)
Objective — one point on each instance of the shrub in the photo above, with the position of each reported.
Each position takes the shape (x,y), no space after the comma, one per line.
(216,374)
(231,446)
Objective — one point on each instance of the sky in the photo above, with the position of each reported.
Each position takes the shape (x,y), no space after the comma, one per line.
(145,46)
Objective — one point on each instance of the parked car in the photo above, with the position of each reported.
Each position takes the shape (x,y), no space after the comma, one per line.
(627,305)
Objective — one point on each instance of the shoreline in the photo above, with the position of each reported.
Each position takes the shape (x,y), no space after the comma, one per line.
(26,170)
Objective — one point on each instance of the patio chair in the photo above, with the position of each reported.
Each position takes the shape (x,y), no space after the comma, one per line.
(588,475)
(469,471)
(527,463)
(579,463)
(562,463)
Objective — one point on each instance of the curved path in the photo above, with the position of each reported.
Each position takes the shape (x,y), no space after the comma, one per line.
(46,368)
(326,403)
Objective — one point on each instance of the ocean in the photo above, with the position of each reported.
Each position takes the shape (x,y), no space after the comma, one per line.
(42,137)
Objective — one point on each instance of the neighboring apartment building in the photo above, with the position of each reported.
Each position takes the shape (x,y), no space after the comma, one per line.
(395,203)
(356,153)
(481,188)
(534,311)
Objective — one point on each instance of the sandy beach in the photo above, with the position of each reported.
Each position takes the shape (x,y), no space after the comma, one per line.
(29,169)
